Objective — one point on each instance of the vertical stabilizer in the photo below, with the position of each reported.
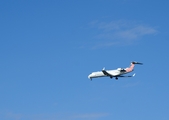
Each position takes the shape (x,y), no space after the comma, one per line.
(130,69)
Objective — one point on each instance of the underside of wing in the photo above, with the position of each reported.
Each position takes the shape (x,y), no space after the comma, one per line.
(106,73)
(127,76)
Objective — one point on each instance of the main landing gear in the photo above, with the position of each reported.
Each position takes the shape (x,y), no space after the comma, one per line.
(115,78)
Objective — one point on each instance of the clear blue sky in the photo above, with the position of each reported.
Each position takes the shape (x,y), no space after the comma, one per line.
(49,47)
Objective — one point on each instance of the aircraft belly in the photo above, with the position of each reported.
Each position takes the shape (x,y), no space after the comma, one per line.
(99,74)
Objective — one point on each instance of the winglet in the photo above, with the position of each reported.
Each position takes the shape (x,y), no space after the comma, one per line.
(134,74)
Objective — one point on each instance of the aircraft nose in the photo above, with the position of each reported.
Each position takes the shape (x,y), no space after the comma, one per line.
(90,76)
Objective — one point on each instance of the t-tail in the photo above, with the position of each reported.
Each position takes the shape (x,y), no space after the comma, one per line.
(131,68)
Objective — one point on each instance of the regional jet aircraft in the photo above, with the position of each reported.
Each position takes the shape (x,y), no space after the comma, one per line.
(119,72)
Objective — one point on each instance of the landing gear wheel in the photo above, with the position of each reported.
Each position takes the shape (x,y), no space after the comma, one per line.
(111,77)
(116,78)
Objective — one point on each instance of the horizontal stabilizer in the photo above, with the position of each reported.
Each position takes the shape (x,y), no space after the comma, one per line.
(137,63)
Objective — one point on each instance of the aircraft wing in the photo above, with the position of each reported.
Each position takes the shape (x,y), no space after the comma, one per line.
(128,76)
(106,73)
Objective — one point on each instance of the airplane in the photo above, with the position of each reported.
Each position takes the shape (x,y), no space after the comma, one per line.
(119,72)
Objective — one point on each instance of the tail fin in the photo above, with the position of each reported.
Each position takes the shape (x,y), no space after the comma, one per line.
(130,69)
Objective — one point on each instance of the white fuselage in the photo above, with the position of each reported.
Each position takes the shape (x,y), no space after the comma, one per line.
(114,73)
